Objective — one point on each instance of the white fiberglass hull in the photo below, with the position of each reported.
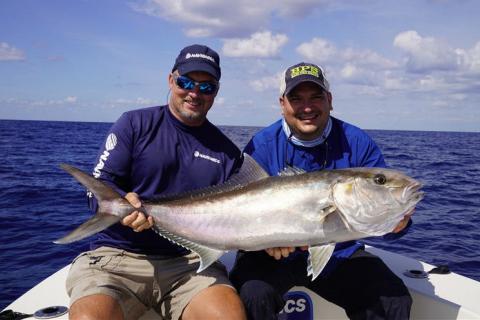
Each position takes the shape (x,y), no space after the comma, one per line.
(449,296)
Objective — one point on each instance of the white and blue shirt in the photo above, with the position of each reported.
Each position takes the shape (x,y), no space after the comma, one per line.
(342,145)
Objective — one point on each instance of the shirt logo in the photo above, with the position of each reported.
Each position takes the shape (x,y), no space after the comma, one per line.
(197,154)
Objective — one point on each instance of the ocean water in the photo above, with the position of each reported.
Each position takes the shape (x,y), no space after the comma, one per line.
(39,202)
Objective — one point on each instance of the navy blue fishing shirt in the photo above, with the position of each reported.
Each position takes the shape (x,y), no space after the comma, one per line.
(150,152)
(346,146)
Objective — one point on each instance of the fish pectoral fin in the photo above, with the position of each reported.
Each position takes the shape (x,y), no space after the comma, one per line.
(318,258)
(325,211)
(207,255)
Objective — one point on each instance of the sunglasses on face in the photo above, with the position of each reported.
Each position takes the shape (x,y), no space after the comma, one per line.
(186,83)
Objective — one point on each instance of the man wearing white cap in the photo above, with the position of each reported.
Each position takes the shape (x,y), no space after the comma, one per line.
(309,138)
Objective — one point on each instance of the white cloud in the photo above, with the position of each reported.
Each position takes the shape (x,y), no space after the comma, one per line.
(267,83)
(458,97)
(140,101)
(318,50)
(41,103)
(220,101)
(366,57)
(430,83)
(354,66)
(429,65)
(424,54)
(350,71)
(300,8)
(355,74)
(323,51)
(434,66)
(204,18)
(396,82)
(259,45)
(71,99)
(56,102)
(228,19)
(9,53)
(470,59)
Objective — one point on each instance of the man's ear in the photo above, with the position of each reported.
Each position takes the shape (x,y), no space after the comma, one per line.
(170,81)
(281,101)
(330,99)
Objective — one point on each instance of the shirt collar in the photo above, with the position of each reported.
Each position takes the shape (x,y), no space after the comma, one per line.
(307,143)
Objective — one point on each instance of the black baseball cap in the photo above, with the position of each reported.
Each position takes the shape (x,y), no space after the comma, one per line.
(302,72)
(198,58)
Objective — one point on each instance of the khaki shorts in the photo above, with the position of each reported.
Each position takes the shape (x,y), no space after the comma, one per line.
(140,282)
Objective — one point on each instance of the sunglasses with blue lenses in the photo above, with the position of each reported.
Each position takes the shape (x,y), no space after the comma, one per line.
(186,83)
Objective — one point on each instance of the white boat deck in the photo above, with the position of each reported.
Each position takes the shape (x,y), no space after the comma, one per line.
(450,296)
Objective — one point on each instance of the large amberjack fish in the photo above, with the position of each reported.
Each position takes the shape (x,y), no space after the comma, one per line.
(255,211)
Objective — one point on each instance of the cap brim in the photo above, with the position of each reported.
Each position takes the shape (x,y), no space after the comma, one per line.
(203,67)
(296,82)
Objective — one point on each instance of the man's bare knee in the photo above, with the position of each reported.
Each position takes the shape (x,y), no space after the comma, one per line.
(216,302)
(96,306)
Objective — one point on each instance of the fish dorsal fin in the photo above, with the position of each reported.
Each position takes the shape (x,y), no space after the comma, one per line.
(318,258)
(207,255)
(290,171)
(249,172)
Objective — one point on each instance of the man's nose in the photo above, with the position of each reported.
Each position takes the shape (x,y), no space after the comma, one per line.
(306,106)
(194,92)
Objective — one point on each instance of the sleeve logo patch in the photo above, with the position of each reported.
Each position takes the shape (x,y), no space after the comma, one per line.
(111,142)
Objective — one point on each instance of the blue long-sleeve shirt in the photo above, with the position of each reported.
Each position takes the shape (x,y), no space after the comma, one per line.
(346,146)
(150,152)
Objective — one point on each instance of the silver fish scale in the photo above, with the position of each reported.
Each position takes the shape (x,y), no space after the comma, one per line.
(259,217)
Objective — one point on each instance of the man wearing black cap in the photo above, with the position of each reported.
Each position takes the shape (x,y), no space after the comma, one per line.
(310,139)
(149,153)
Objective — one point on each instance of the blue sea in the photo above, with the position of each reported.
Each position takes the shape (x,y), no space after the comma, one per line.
(40,203)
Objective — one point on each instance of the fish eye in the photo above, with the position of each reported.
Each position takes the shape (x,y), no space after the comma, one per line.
(380,179)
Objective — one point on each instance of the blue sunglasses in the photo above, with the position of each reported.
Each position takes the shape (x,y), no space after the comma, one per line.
(186,83)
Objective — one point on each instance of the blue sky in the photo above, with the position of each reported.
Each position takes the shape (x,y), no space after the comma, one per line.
(400,65)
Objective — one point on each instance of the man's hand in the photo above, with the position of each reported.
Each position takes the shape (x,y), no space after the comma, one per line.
(282,252)
(402,224)
(136,220)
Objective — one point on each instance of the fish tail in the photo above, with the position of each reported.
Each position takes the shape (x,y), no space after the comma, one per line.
(112,207)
